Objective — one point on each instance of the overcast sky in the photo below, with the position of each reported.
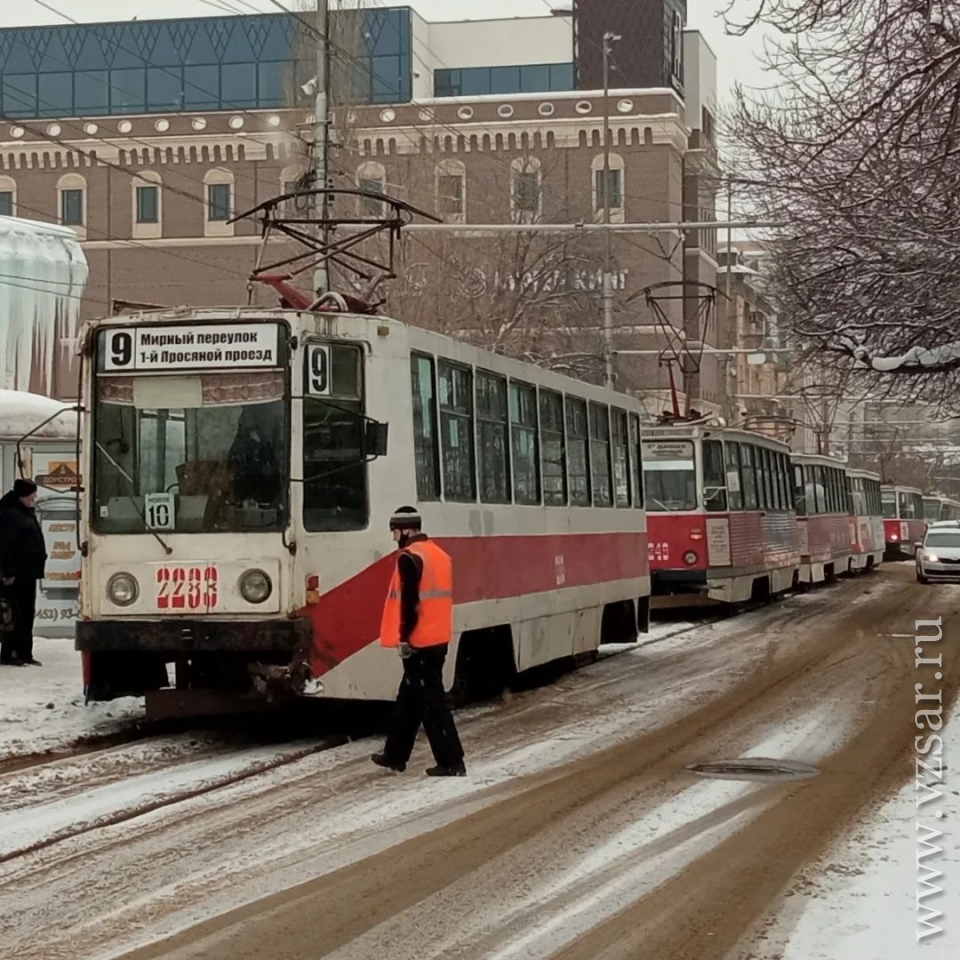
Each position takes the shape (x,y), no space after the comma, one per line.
(737,57)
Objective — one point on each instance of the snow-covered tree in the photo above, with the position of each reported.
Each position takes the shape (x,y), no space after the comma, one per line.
(855,148)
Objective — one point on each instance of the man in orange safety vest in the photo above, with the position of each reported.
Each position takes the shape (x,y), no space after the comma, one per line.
(418,622)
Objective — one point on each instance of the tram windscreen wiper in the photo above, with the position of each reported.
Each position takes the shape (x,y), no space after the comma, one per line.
(126,476)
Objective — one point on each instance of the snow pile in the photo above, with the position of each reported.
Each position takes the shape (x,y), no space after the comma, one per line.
(43,272)
(42,708)
(22,412)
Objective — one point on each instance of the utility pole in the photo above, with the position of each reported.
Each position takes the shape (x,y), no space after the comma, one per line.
(609,39)
(725,383)
(321,136)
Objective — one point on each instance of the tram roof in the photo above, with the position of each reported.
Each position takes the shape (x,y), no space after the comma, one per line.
(705,431)
(901,487)
(420,340)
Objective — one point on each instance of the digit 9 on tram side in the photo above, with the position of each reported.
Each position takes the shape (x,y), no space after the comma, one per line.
(235,523)
(720,513)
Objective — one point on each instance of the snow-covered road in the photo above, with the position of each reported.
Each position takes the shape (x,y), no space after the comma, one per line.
(578,832)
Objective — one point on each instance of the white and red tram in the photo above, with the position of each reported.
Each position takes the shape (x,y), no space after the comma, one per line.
(824,517)
(235,520)
(867,518)
(719,512)
(903,523)
(936,508)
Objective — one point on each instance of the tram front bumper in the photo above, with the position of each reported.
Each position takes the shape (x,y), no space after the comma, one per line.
(187,637)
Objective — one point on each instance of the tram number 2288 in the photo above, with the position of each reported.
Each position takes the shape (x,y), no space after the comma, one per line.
(187,588)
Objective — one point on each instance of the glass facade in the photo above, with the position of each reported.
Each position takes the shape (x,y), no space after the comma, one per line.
(207,63)
(481,81)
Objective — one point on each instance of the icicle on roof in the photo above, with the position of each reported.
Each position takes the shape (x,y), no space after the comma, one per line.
(43,272)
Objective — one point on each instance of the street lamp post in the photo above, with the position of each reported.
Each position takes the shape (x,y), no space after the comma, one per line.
(609,38)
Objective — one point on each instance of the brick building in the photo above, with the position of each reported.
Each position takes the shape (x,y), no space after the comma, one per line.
(146,137)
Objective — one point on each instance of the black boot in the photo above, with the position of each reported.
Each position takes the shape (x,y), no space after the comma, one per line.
(456,770)
(382,760)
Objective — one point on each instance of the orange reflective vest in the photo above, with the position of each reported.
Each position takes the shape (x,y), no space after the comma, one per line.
(435,613)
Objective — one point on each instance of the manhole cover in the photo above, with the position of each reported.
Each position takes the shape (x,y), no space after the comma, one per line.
(755,768)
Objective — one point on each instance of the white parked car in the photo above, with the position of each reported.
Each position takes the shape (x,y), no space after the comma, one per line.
(938,554)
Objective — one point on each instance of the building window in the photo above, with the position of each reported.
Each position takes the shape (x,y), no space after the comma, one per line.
(218,202)
(494,458)
(148,204)
(523,443)
(483,81)
(71,208)
(526,191)
(425,441)
(371,206)
(451,194)
(455,385)
(6,203)
(614,184)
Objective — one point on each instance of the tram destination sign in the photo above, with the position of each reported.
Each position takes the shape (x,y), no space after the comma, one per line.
(207,347)
(667,450)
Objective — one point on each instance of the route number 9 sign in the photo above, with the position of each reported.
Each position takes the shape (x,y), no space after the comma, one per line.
(318,370)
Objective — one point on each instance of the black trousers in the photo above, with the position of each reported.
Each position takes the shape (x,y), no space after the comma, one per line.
(21,595)
(421,699)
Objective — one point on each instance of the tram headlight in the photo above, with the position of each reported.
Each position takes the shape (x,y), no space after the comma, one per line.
(255,586)
(690,558)
(123,589)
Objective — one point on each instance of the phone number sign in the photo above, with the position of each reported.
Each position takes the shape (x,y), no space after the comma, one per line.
(130,349)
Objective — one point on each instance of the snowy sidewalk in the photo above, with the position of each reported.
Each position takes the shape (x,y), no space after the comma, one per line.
(42,708)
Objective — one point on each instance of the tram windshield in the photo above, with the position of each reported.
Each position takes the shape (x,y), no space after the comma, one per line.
(931,509)
(888,500)
(199,453)
(669,476)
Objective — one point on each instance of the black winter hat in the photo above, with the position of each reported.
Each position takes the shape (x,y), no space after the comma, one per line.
(23,488)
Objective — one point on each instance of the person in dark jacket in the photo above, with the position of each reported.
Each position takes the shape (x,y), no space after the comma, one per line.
(23,558)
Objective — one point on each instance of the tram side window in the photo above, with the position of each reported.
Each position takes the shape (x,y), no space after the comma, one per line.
(750,499)
(600,455)
(810,491)
(578,463)
(769,469)
(422,383)
(552,449)
(787,486)
(636,460)
(763,480)
(334,472)
(734,488)
(455,385)
(714,477)
(799,493)
(523,432)
(494,458)
(621,457)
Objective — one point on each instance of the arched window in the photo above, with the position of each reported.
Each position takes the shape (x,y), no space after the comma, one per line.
(147,201)
(452,191)
(72,203)
(219,184)
(371,177)
(8,197)
(526,190)
(614,184)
